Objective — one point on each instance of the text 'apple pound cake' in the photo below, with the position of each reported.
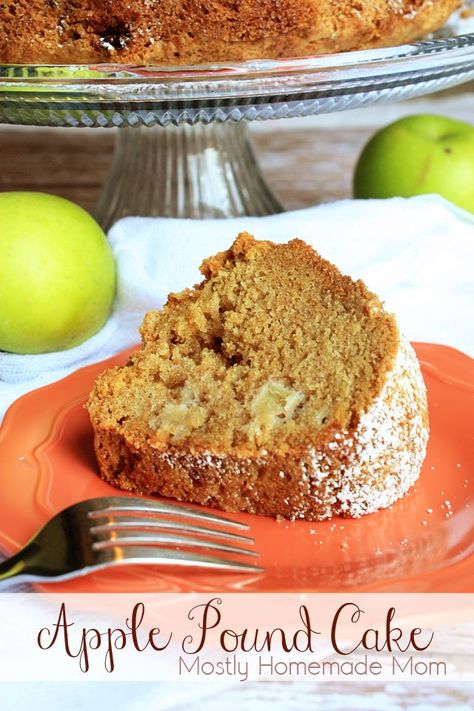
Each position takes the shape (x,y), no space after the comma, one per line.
(276,386)
(171,32)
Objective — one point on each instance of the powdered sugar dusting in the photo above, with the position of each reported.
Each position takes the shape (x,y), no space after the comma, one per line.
(378,462)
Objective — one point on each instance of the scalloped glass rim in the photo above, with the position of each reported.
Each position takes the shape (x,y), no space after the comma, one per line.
(118,95)
(394,60)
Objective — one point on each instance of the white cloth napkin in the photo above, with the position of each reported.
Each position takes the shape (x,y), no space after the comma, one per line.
(417,254)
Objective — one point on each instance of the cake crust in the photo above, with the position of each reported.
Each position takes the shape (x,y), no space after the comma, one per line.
(166,32)
(356,465)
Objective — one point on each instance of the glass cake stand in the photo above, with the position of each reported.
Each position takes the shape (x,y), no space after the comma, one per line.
(183,148)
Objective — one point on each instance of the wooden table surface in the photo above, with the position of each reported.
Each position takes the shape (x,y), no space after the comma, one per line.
(74,164)
(306,162)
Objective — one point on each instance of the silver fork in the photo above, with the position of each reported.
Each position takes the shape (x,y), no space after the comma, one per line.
(103,532)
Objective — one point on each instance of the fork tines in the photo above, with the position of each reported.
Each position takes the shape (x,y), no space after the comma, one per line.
(135,530)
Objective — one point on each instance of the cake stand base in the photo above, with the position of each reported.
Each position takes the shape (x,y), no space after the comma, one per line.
(200,171)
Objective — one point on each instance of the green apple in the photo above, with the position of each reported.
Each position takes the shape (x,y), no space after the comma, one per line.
(419,155)
(57,274)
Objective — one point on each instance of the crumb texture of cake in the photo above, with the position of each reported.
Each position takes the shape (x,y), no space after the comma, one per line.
(275,386)
(170,32)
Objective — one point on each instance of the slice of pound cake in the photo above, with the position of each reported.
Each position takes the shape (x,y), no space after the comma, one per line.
(276,386)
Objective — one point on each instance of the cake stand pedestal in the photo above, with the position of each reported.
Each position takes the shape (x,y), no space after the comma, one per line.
(183,149)
(200,171)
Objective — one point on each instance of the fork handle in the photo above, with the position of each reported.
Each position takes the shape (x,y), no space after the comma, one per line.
(13,567)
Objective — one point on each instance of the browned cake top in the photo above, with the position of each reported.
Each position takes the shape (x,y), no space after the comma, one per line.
(191,31)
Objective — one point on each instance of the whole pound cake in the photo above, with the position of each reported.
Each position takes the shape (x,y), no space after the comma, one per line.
(276,386)
(191,31)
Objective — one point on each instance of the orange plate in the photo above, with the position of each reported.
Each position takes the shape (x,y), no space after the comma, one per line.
(425,542)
